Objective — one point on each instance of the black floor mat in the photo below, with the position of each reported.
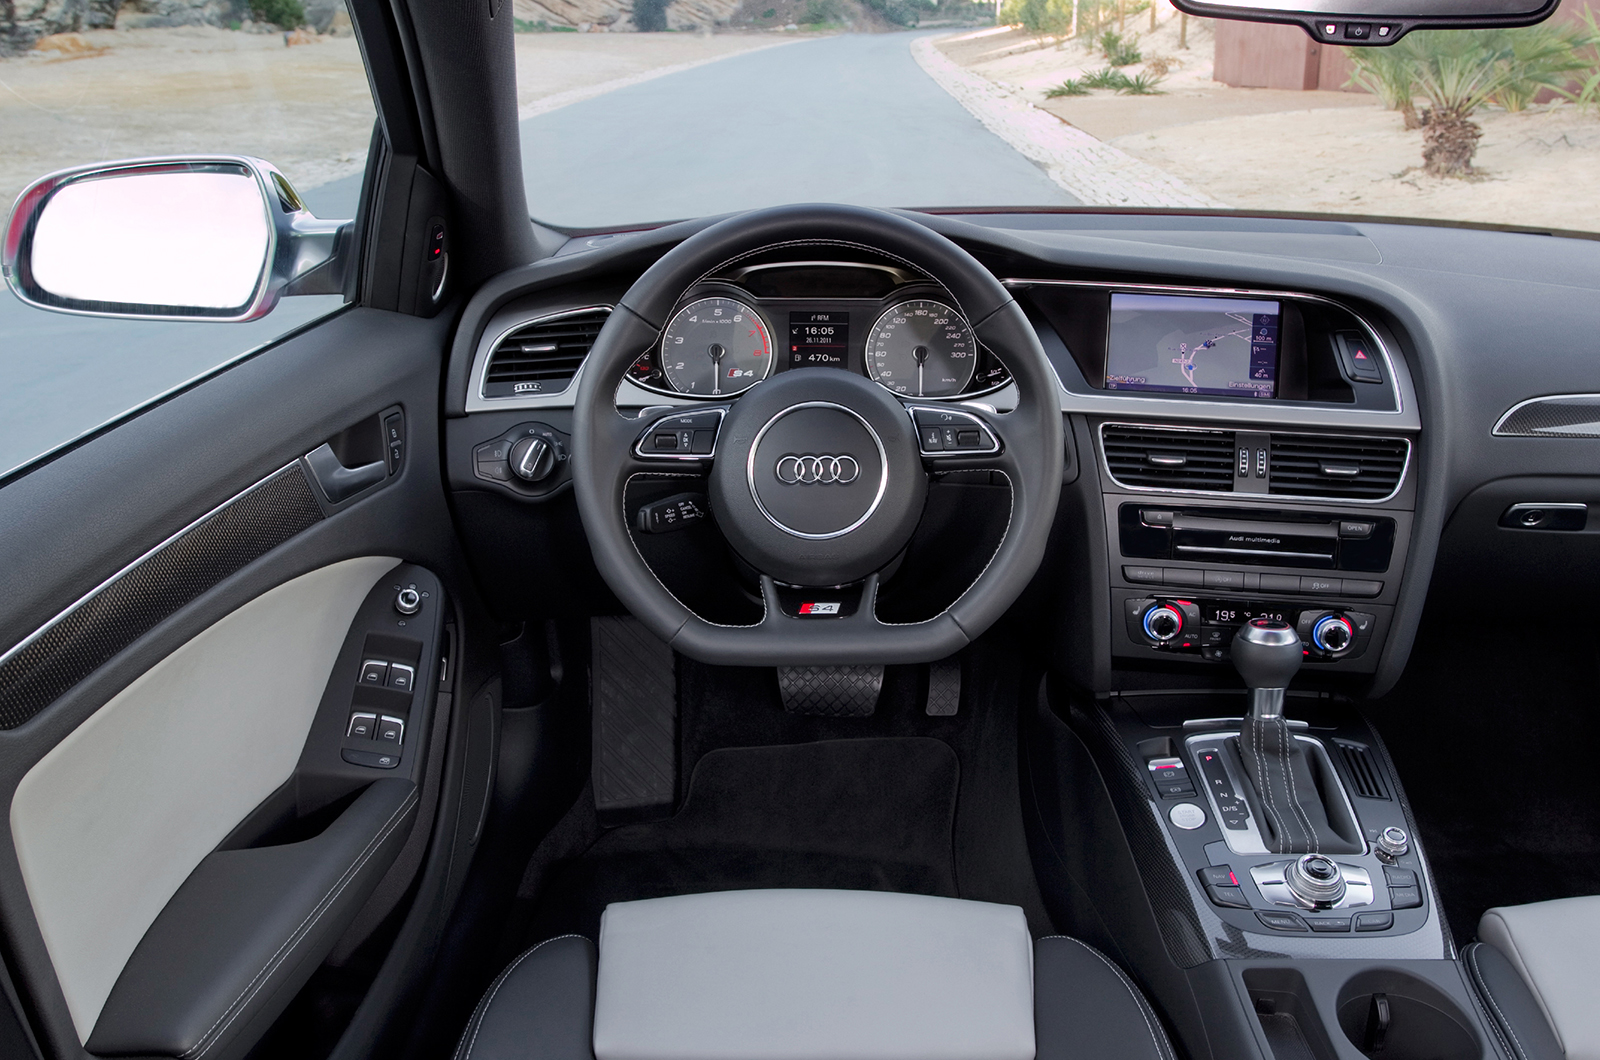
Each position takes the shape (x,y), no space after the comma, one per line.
(1492,747)
(864,814)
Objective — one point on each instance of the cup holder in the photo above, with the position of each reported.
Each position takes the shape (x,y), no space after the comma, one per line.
(1391,1015)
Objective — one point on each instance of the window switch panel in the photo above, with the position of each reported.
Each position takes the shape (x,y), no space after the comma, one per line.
(391,730)
(363,727)
(374,672)
(401,677)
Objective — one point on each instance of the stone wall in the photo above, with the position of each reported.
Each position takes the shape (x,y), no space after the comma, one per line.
(23,22)
(616,16)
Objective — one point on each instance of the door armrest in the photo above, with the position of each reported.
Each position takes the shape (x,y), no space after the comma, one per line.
(245,931)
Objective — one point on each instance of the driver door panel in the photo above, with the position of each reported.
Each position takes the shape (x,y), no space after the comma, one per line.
(187,835)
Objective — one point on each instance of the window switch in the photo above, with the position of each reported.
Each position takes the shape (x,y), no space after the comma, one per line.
(374,672)
(363,727)
(401,676)
(391,730)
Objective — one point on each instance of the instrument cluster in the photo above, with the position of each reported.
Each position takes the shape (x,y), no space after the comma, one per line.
(726,336)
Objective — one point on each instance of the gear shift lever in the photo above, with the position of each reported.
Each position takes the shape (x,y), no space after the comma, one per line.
(1268,654)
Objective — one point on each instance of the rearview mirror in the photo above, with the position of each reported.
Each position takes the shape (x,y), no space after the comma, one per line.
(1375,22)
(219,238)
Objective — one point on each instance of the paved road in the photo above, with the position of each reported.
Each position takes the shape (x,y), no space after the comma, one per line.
(838,119)
(846,119)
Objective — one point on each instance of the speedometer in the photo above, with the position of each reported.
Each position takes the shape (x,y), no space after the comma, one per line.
(715,347)
(922,348)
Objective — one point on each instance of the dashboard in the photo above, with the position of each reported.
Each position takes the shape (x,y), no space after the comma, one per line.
(1246,431)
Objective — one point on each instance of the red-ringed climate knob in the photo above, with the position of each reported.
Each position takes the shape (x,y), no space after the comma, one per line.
(1332,634)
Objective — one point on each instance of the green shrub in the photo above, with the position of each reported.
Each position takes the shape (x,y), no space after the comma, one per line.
(1389,74)
(1142,85)
(770,12)
(1069,87)
(1587,93)
(1106,78)
(1040,18)
(897,12)
(522,25)
(1119,52)
(285,14)
(1542,56)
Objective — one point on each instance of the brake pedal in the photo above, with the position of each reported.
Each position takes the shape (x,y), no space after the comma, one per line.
(830,691)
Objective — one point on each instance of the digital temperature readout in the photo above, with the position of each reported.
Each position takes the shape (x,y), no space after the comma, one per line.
(818,340)
(1215,612)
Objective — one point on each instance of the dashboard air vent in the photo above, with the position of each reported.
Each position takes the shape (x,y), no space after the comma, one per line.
(1163,458)
(1363,771)
(541,357)
(1336,467)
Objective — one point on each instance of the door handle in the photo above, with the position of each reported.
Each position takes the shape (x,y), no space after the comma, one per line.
(338,482)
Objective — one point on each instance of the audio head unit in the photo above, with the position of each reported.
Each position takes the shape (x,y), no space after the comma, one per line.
(1314,540)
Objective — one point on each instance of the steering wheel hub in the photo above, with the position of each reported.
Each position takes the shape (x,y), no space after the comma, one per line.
(818,480)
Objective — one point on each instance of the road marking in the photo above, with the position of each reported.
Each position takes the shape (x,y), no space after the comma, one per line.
(1093,171)
(546,104)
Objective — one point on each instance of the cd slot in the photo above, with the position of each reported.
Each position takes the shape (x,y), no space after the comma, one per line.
(1310,540)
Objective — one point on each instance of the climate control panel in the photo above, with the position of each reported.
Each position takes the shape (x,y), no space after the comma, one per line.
(1203,629)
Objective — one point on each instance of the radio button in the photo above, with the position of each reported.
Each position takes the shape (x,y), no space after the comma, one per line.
(1280,583)
(1360,587)
(1224,579)
(1321,585)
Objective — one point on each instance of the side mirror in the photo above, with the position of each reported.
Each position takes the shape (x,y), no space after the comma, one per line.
(1374,22)
(216,238)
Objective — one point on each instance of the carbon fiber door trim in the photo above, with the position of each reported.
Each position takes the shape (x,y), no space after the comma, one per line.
(71,646)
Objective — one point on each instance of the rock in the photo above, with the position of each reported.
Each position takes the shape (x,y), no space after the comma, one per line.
(157,14)
(616,16)
(68,46)
(102,14)
(340,25)
(297,37)
(321,13)
(24,22)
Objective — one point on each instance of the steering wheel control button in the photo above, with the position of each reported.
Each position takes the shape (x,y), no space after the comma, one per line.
(374,672)
(945,431)
(1282,921)
(672,513)
(684,436)
(408,601)
(817,470)
(1187,816)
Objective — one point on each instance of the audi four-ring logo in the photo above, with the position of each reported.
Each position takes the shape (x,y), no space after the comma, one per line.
(823,470)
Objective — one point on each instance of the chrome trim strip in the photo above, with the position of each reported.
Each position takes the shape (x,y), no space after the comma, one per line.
(883,474)
(125,571)
(1105,463)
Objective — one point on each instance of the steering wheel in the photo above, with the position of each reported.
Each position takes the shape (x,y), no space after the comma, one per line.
(819,475)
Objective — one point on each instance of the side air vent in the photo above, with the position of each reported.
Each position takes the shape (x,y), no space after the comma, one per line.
(542,356)
(1162,458)
(1339,468)
(1361,769)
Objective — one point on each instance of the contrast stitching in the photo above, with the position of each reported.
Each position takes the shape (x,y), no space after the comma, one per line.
(215,1032)
(1294,798)
(1483,988)
(1145,1013)
(482,1012)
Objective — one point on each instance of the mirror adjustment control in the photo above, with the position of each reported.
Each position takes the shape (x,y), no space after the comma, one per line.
(363,726)
(374,672)
(401,677)
(408,601)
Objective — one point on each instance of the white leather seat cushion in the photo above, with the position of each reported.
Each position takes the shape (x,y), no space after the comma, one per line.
(1553,945)
(813,975)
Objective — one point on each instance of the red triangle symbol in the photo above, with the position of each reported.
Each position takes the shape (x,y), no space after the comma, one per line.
(1361,355)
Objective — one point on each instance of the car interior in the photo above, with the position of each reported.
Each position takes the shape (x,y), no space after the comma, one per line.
(805,633)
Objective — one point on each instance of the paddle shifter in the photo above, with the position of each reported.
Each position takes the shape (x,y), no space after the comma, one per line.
(1268,654)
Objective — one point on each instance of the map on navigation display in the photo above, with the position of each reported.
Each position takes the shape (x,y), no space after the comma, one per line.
(1193,345)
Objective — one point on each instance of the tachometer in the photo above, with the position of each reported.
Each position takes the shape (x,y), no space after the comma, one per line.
(715,347)
(922,348)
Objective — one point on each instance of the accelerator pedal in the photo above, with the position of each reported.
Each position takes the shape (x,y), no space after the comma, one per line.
(830,691)
(634,764)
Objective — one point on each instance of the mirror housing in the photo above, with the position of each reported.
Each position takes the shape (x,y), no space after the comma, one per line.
(217,238)
(1374,23)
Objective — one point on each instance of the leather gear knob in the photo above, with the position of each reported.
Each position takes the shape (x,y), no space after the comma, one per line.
(1267,653)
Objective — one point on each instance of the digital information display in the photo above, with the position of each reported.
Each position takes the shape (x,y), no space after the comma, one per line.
(1181,344)
(818,340)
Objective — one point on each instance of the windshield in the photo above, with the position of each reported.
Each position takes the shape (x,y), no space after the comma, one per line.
(1126,104)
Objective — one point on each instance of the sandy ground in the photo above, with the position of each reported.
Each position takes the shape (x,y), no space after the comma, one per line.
(1335,152)
(306,109)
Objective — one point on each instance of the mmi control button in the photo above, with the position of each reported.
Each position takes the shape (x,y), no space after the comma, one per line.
(1282,921)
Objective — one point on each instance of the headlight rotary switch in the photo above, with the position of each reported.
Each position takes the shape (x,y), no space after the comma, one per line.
(532,459)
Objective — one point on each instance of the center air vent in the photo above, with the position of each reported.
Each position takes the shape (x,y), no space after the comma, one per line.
(542,356)
(1163,458)
(1337,467)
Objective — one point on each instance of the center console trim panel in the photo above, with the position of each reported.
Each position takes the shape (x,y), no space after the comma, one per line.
(1248,839)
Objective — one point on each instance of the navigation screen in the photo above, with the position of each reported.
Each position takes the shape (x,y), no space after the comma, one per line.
(1191,345)
(818,340)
